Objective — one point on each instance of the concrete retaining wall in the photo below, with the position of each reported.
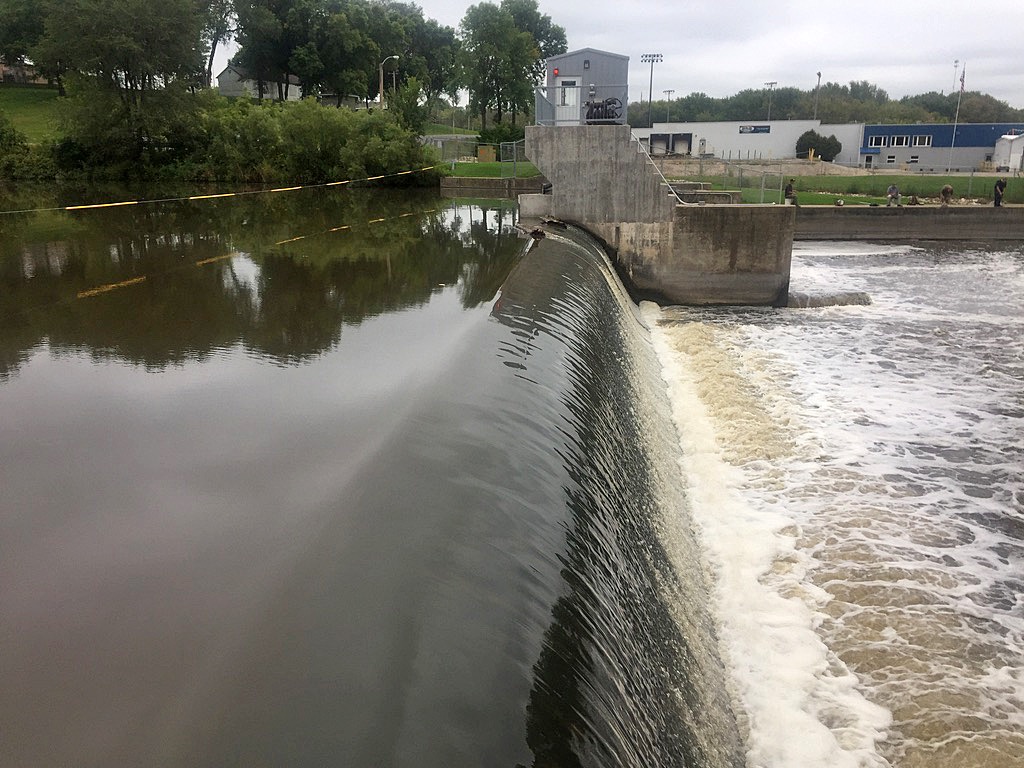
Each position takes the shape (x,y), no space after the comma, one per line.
(597,174)
(680,254)
(909,223)
(452,186)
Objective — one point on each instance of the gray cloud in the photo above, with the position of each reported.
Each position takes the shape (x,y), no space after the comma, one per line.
(723,47)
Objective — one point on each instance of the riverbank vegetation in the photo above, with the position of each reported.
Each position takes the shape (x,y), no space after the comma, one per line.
(133,99)
(203,137)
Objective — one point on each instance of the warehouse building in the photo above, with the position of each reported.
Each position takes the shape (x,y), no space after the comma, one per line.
(925,147)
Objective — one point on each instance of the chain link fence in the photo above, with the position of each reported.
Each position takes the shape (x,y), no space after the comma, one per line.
(511,154)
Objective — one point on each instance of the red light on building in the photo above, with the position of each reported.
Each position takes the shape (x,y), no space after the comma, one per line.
(555,71)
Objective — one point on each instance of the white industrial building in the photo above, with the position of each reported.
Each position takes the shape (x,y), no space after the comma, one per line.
(927,147)
(1009,153)
(750,140)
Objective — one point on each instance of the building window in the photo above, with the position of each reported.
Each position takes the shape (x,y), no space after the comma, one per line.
(568,93)
(890,159)
(901,141)
(923,141)
(915,158)
(876,141)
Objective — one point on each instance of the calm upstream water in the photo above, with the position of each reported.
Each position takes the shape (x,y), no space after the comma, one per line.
(397,494)
(360,478)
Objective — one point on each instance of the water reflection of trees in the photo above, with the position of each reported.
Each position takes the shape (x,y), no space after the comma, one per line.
(285,300)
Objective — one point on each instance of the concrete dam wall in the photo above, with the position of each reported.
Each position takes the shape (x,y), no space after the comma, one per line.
(910,223)
(602,180)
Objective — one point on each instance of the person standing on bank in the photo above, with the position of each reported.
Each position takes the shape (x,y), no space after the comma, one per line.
(997,193)
(947,194)
(790,194)
(892,195)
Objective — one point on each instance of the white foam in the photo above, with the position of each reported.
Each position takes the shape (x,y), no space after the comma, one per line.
(802,705)
(864,464)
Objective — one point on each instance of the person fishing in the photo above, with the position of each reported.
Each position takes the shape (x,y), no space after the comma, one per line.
(997,193)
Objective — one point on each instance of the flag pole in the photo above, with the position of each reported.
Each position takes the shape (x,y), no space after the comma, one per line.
(956,118)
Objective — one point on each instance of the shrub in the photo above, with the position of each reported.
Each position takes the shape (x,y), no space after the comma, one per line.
(500,132)
(825,148)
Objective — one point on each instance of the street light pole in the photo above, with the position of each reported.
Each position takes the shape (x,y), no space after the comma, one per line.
(668,102)
(770,85)
(650,58)
(816,89)
(380,70)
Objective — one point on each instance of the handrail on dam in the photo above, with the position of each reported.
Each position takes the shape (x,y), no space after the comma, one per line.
(641,149)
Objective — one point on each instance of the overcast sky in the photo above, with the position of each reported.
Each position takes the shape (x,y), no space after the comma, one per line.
(724,46)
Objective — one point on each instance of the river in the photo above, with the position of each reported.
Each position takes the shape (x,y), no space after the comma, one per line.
(356,477)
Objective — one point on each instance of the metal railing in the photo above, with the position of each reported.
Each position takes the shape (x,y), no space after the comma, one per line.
(580,104)
(642,149)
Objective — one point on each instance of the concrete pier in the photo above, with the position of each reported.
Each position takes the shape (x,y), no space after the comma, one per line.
(603,181)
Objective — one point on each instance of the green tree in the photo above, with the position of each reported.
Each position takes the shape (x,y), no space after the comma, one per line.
(498,62)
(548,36)
(435,50)
(260,40)
(218,26)
(22,24)
(128,47)
(348,52)
(408,105)
(130,61)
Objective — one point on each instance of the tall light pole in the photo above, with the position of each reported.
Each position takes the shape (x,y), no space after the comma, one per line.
(668,102)
(651,58)
(770,85)
(816,89)
(380,70)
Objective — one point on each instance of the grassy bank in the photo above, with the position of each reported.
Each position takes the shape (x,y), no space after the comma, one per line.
(32,110)
(524,170)
(437,129)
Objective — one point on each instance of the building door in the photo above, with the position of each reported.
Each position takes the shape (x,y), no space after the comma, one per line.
(567,101)
(867,161)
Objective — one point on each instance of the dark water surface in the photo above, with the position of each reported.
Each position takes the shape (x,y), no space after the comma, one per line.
(383,495)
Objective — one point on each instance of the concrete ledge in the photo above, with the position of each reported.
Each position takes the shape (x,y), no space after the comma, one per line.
(452,186)
(909,223)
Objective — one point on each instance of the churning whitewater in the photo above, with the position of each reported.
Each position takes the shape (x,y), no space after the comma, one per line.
(856,476)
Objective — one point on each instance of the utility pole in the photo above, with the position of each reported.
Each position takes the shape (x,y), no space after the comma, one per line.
(770,85)
(650,58)
(668,103)
(817,88)
(380,70)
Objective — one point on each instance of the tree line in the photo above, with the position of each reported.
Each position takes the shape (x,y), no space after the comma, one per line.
(858,102)
(330,46)
(136,74)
